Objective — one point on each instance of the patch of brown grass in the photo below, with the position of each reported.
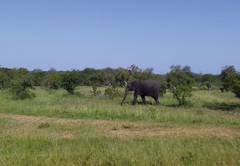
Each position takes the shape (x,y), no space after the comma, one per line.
(22,124)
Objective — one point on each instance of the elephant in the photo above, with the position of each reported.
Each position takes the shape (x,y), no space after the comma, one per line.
(143,88)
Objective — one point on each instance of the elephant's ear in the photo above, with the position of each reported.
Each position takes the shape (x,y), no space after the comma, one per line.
(135,85)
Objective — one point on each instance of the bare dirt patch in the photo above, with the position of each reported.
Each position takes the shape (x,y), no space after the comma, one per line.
(25,124)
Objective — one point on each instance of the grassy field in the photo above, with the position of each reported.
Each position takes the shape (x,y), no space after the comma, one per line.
(56,128)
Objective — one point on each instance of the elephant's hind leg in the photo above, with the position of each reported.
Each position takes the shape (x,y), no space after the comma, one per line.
(156,99)
(144,100)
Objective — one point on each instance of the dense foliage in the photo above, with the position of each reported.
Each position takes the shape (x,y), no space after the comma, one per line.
(180,84)
(225,71)
(232,83)
(21,83)
(180,80)
(70,80)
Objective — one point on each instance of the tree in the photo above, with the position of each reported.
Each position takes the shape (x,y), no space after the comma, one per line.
(230,81)
(53,80)
(22,71)
(146,74)
(21,84)
(227,70)
(179,84)
(107,77)
(52,70)
(38,76)
(197,78)
(10,72)
(134,70)
(122,77)
(4,79)
(209,80)
(175,68)
(89,71)
(89,76)
(163,89)
(187,69)
(236,88)
(70,80)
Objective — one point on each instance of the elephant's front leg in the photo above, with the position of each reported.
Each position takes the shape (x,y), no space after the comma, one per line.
(135,98)
(144,100)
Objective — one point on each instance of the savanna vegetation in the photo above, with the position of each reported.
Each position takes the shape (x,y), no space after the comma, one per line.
(75,118)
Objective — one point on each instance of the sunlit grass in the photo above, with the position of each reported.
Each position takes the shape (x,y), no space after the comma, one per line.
(88,150)
(204,108)
(50,142)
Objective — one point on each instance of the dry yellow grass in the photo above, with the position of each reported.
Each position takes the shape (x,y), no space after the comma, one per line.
(22,124)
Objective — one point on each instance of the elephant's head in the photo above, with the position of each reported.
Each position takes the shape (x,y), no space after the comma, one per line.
(131,86)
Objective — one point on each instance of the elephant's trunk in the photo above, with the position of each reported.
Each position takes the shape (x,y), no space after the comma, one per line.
(126,92)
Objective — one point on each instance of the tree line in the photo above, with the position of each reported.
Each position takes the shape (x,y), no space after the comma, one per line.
(180,80)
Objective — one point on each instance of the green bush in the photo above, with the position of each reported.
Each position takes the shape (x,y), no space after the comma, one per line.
(232,83)
(236,89)
(70,80)
(55,81)
(180,85)
(4,79)
(94,87)
(23,95)
(109,91)
(163,89)
(20,85)
(181,93)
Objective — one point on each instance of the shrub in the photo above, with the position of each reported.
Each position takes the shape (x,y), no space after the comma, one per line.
(38,76)
(236,89)
(94,87)
(163,90)
(180,85)
(232,83)
(4,79)
(70,80)
(230,80)
(55,81)
(20,85)
(109,91)
(181,93)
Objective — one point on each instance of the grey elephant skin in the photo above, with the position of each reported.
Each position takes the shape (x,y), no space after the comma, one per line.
(143,88)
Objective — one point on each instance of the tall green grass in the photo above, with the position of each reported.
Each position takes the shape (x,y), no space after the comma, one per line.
(43,143)
(206,108)
(164,150)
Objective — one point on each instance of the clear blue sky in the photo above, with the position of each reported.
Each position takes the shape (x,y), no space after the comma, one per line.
(68,34)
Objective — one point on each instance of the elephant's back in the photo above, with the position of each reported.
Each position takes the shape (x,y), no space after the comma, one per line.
(151,84)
